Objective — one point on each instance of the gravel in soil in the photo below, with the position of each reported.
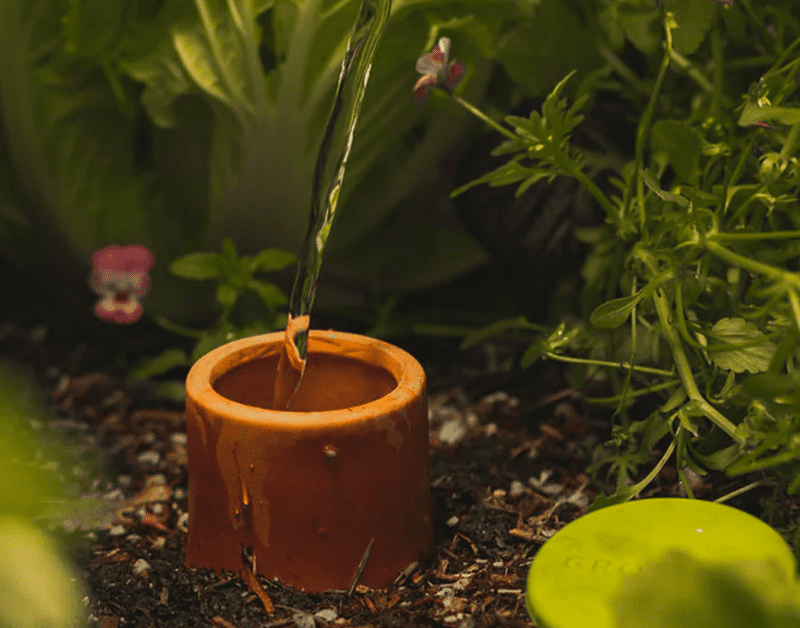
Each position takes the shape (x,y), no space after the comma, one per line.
(508,471)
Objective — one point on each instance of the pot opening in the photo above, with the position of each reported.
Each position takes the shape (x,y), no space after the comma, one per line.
(330,382)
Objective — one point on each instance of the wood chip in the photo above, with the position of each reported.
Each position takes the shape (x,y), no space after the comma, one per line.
(255,586)
(361,567)
(521,533)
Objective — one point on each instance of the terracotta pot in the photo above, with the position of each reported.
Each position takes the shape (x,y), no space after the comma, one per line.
(304,491)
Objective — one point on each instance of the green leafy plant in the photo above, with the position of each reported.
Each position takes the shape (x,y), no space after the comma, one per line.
(175,124)
(37,584)
(235,278)
(691,286)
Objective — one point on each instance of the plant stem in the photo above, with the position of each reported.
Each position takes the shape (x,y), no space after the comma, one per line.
(600,401)
(685,371)
(750,236)
(492,123)
(795,303)
(566,162)
(752,265)
(694,73)
(637,488)
(642,134)
(617,365)
(591,187)
(741,490)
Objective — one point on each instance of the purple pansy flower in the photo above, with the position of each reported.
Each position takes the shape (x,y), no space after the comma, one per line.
(437,72)
(120,278)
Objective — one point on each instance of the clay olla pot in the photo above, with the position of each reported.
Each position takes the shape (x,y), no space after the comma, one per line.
(300,494)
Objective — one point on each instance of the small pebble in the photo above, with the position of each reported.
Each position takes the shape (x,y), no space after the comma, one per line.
(468,621)
(496,397)
(178,438)
(517,489)
(117,530)
(326,614)
(141,566)
(303,620)
(452,431)
(113,495)
(149,457)
(157,479)
(452,521)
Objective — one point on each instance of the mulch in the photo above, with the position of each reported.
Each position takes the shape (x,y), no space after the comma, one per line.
(508,457)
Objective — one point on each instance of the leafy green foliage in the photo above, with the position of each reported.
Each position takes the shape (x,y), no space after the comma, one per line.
(234,278)
(750,351)
(174,124)
(691,287)
(37,586)
(541,138)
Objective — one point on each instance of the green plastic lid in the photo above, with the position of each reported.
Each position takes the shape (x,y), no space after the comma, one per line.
(577,575)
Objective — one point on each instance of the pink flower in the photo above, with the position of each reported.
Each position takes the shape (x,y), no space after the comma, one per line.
(120,278)
(437,72)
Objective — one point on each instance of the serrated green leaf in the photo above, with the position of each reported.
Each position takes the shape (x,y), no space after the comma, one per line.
(751,352)
(654,186)
(614,313)
(273,260)
(537,176)
(510,172)
(199,266)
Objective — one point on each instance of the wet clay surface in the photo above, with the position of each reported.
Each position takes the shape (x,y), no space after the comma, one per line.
(305,493)
(317,390)
(509,454)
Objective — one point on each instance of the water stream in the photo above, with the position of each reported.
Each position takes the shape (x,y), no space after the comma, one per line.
(328,177)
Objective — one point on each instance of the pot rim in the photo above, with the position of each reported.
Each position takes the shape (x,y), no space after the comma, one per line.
(404,368)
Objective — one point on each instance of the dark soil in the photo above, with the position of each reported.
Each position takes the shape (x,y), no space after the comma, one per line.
(509,454)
